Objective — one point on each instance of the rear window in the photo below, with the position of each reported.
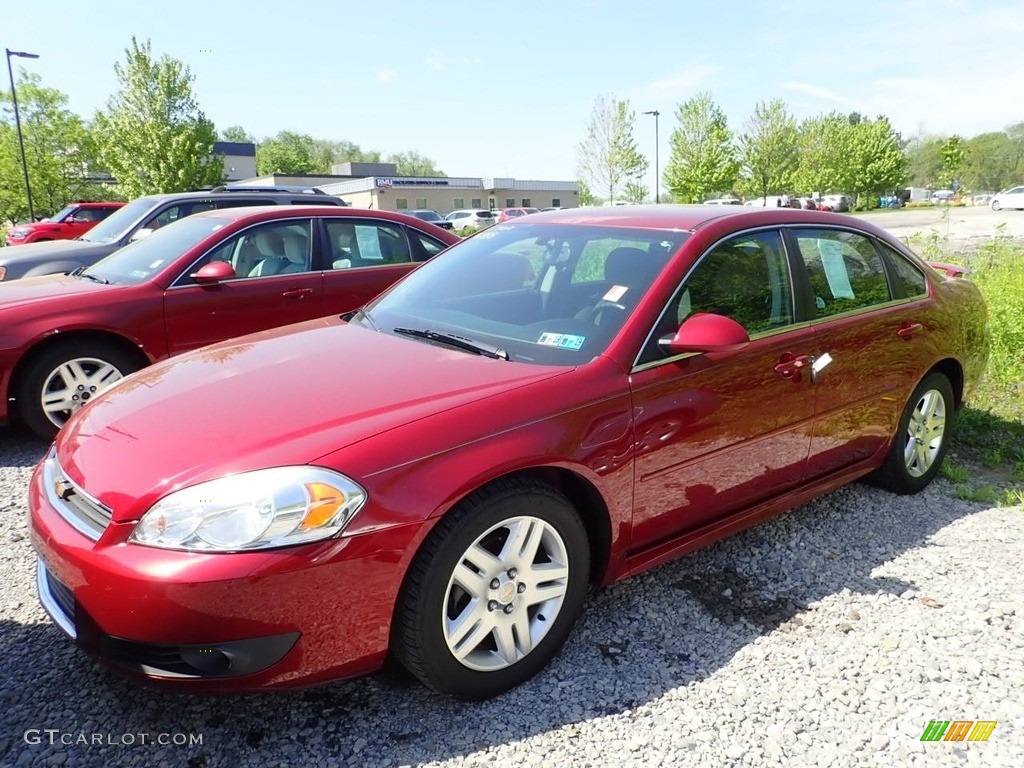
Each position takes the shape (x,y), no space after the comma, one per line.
(485,214)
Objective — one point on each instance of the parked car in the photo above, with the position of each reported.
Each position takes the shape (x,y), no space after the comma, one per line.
(806,203)
(433,217)
(505,214)
(138,219)
(70,222)
(208,277)
(768,201)
(943,195)
(439,477)
(1011,198)
(723,201)
(470,218)
(835,203)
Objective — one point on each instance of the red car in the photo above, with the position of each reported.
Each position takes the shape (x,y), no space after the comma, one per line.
(71,222)
(202,279)
(507,214)
(441,476)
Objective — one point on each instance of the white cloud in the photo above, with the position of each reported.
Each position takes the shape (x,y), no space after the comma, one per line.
(819,92)
(387,76)
(680,84)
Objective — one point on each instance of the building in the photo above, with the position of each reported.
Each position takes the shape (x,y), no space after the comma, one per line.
(239,159)
(378,186)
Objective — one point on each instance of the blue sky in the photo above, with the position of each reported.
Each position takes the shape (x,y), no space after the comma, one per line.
(506,89)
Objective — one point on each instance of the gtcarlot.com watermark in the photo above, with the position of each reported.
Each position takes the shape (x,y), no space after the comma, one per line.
(51,736)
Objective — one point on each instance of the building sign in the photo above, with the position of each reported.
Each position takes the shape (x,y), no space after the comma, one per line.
(411,182)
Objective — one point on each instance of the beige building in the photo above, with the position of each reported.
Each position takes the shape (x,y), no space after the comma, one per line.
(377,186)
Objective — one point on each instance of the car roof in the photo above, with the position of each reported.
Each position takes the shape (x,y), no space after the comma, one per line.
(689,218)
(264,212)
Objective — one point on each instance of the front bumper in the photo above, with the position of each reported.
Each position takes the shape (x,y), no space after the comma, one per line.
(219,622)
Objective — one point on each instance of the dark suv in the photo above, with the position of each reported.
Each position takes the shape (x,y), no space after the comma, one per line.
(73,221)
(138,219)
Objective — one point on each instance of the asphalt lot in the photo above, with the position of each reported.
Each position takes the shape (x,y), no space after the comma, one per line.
(957,224)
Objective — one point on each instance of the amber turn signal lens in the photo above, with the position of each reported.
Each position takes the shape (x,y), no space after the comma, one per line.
(324,503)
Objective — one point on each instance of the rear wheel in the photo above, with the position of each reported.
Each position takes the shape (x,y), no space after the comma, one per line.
(63,379)
(922,439)
(494,592)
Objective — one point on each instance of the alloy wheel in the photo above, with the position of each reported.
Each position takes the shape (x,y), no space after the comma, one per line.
(72,384)
(925,433)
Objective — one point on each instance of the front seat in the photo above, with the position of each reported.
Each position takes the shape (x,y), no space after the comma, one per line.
(628,272)
(271,246)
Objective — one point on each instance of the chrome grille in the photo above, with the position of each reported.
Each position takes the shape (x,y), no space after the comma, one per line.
(84,513)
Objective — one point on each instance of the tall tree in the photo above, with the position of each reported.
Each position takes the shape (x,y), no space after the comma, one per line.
(769,149)
(992,162)
(608,157)
(153,136)
(924,160)
(878,161)
(289,153)
(824,163)
(703,158)
(413,164)
(237,133)
(953,154)
(586,196)
(59,151)
(328,153)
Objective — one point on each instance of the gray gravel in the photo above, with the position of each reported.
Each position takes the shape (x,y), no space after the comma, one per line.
(829,637)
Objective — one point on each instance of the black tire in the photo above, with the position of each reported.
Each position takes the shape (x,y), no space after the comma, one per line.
(40,372)
(906,476)
(996,206)
(431,593)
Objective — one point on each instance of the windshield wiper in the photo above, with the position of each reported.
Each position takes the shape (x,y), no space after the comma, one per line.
(459,342)
(88,276)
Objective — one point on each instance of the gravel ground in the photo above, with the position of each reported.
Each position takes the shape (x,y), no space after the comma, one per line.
(830,636)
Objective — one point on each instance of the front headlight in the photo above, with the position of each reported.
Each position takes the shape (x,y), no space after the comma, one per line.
(253,510)
(20,233)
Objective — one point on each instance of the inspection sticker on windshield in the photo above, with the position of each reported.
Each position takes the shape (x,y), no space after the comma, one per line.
(615,293)
(562,340)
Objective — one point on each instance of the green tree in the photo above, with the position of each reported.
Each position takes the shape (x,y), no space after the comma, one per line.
(953,153)
(328,152)
(924,161)
(153,136)
(635,191)
(236,133)
(769,149)
(877,159)
(59,151)
(586,196)
(289,153)
(991,162)
(608,158)
(703,158)
(824,163)
(413,164)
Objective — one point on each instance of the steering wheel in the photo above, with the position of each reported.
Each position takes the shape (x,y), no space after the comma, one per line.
(603,307)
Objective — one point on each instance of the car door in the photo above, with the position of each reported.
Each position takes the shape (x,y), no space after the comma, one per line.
(276,284)
(873,334)
(364,256)
(716,432)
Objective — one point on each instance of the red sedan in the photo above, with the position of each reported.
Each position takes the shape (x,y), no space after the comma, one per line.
(203,279)
(441,475)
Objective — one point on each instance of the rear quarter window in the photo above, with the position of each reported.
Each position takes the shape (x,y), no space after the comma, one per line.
(908,281)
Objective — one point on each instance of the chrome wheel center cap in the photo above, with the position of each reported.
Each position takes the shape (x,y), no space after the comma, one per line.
(506,592)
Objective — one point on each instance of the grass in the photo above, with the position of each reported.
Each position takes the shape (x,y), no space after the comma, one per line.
(989,430)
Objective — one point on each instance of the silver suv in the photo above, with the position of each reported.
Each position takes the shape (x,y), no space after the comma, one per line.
(470,218)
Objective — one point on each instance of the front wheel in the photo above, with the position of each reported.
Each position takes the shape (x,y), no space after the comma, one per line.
(494,592)
(996,206)
(63,379)
(922,439)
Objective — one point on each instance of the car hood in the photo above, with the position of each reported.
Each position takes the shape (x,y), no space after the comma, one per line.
(54,249)
(31,290)
(287,396)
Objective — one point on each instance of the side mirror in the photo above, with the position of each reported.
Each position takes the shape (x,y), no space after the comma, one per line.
(705,332)
(140,234)
(213,273)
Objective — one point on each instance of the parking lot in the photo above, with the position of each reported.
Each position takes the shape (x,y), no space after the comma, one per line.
(830,636)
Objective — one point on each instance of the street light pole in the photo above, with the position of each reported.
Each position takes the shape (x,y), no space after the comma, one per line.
(17,122)
(657,186)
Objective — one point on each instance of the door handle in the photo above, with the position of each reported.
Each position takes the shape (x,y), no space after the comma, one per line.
(908,329)
(297,293)
(790,366)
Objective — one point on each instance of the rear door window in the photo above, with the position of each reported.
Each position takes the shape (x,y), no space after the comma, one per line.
(845,271)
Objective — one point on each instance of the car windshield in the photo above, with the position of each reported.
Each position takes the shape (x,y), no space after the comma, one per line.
(428,216)
(544,293)
(117,224)
(139,261)
(59,215)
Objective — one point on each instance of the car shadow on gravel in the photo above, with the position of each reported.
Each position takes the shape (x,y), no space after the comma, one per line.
(636,641)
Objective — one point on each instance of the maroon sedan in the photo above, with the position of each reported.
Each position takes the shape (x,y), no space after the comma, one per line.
(441,475)
(206,278)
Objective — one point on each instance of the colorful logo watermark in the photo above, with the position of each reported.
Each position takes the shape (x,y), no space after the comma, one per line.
(958,730)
